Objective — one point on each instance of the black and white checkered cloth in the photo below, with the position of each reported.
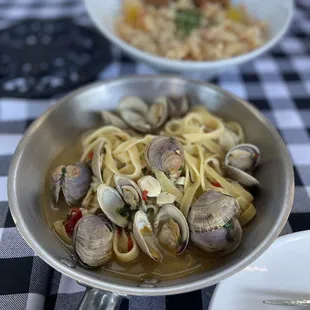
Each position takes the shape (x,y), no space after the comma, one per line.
(278,83)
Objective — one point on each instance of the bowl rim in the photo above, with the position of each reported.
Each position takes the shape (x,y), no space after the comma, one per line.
(183,65)
(89,280)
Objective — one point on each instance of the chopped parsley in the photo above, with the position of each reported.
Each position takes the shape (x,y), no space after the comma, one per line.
(187,20)
(228,225)
(125,211)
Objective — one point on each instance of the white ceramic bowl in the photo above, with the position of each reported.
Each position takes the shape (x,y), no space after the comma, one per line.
(276,13)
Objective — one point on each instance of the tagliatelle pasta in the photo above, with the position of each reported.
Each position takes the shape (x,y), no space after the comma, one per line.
(155,179)
(198,132)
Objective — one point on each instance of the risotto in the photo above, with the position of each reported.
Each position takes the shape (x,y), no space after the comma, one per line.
(190,29)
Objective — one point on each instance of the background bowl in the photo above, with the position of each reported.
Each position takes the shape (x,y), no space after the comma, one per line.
(65,121)
(276,13)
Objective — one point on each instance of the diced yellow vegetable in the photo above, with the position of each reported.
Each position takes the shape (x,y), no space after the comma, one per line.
(235,13)
(133,14)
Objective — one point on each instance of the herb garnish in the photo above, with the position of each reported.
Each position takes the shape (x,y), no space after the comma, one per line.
(187,20)
(125,211)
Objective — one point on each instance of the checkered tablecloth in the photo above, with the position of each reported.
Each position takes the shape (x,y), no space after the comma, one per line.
(278,83)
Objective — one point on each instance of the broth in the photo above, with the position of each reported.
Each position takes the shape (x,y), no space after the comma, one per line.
(191,261)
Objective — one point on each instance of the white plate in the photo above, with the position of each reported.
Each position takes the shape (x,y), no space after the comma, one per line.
(282,272)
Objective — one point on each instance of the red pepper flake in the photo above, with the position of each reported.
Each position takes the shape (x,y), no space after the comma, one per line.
(71,220)
(144,195)
(119,230)
(216,184)
(90,155)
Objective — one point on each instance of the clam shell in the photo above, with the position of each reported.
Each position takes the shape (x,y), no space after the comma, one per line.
(134,104)
(110,118)
(72,180)
(158,113)
(135,120)
(92,241)
(123,183)
(240,161)
(111,203)
(241,177)
(178,106)
(144,236)
(165,154)
(170,211)
(211,211)
(244,157)
(57,181)
(223,240)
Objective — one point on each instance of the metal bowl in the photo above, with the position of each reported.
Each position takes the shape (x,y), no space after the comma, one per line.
(64,121)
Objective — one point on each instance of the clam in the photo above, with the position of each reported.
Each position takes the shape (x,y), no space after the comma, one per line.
(165,154)
(144,236)
(92,241)
(129,190)
(134,104)
(110,118)
(135,120)
(72,180)
(223,240)
(178,106)
(97,160)
(151,210)
(171,228)
(112,204)
(150,186)
(211,211)
(134,111)
(158,113)
(240,161)
(228,138)
(124,245)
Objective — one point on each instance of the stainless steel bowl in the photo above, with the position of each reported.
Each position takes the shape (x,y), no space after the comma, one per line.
(63,122)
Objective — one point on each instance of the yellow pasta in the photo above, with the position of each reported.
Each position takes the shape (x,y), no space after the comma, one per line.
(198,132)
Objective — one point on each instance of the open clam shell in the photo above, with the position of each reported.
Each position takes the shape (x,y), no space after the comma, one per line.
(172,236)
(165,154)
(92,241)
(240,161)
(112,204)
(158,113)
(134,111)
(135,120)
(129,190)
(178,106)
(212,210)
(110,118)
(223,240)
(144,236)
(134,104)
